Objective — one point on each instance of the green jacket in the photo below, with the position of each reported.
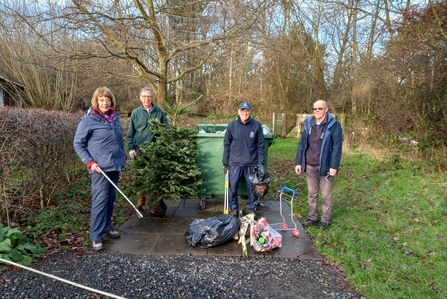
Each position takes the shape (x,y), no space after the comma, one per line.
(139,128)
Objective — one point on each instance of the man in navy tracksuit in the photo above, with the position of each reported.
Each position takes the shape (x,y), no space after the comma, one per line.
(243,150)
(319,155)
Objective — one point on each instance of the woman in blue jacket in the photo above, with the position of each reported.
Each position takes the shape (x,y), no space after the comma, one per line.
(100,145)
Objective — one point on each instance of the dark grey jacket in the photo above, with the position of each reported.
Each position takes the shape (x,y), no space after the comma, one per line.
(331,147)
(97,140)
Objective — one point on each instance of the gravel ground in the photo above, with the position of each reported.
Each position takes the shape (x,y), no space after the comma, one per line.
(176,276)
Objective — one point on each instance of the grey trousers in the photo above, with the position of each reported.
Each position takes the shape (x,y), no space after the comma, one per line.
(314,183)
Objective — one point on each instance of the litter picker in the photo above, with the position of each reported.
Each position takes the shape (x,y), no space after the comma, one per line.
(116,187)
(226,201)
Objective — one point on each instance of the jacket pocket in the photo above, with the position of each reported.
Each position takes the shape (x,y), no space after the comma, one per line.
(106,162)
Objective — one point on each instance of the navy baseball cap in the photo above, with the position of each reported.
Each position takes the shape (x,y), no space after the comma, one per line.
(244,105)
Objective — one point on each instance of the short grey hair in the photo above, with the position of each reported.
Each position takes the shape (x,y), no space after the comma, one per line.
(147,89)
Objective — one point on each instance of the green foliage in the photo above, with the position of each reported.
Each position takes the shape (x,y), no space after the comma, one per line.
(388,226)
(167,168)
(66,223)
(176,110)
(59,219)
(15,247)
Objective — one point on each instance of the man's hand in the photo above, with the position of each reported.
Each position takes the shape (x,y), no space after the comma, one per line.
(226,167)
(133,155)
(298,169)
(332,171)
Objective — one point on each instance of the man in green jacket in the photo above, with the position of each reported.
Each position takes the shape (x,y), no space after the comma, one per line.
(140,131)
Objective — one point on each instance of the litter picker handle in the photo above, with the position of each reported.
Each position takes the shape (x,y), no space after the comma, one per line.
(288,189)
(226,203)
(116,187)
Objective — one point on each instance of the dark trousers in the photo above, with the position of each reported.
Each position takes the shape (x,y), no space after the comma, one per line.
(234,177)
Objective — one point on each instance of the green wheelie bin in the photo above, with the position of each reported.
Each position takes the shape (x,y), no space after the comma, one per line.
(210,145)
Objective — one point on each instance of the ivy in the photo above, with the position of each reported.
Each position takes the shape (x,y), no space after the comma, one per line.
(167,167)
(15,247)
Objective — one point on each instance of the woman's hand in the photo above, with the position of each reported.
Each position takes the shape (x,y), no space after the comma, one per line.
(95,168)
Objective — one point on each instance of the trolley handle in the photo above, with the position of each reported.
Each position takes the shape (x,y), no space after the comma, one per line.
(288,189)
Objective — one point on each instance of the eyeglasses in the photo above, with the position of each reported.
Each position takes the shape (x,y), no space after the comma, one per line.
(148,97)
(319,108)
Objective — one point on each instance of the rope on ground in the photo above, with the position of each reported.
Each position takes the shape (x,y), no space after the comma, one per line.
(61,279)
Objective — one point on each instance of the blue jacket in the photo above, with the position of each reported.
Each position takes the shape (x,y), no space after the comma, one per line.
(331,147)
(244,143)
(97,140)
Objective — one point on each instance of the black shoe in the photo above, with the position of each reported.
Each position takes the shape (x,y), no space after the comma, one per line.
(310,222)
(324,225)
(234,213)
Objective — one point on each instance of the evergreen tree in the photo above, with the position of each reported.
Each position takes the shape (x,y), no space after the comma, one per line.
(167,167)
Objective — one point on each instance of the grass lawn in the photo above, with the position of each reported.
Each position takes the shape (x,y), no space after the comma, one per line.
(388,228)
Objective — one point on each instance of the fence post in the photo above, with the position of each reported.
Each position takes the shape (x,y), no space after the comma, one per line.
(284,123)
(274,124)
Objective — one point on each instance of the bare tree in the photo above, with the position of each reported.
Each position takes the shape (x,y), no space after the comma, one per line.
(162,40)
(415,67)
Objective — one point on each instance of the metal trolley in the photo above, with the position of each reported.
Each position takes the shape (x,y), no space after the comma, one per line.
(289,195)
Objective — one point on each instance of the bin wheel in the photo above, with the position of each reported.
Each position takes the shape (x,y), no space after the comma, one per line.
(202,203)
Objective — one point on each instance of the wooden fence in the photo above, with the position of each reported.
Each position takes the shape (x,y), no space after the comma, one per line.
(284,123)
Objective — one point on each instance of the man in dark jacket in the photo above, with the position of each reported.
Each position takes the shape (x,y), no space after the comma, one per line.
(319,154)
(140,131)
(243,150)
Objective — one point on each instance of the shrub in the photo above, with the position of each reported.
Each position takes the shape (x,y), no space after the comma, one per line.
(36,156)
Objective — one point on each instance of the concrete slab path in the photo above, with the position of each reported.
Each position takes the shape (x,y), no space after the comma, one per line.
(166,235)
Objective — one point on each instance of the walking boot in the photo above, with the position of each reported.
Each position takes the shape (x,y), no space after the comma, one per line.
(141,202)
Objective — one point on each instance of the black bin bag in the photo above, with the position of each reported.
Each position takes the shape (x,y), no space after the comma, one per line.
(260,180)
(212,231)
